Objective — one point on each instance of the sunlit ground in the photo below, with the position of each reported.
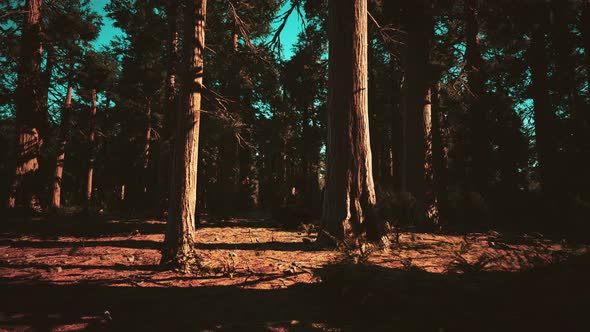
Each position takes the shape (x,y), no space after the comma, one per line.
(66,274)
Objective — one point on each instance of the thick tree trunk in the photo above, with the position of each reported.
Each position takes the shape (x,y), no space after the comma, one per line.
(61,149)
(480,148)
(29,109)
(178,251)
(92,149)
(349,202)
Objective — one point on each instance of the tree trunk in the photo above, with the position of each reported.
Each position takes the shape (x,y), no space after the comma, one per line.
(178,250)
(49,64)
(146,150)
(419,34)
(171,105)
(543,114)
(480,148)
(349,203)
(432,211)
(29,109)
(61,149)
(92,149)
(439,158)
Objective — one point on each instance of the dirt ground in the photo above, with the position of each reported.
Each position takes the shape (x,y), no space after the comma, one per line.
(71,273)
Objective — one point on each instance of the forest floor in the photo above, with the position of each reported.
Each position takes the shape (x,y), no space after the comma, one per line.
(102,273)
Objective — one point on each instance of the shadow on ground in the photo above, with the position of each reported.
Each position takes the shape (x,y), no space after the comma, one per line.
(350,297)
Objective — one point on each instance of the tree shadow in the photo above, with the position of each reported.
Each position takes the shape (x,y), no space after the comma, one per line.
(48,244)
(350,298)
(78,226)
(261,246)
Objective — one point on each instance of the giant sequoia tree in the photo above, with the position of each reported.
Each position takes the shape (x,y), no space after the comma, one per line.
(179,243)
(349,202)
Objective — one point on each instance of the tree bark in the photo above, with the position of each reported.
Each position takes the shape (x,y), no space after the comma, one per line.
(92,149)
(29,109)
(61,149)
(349,203)
(178,251)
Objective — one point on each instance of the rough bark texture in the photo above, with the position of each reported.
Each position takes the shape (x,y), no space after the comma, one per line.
(29,109)
(349,203)
(178,248)
(92,148)
(480,148)
(61,149)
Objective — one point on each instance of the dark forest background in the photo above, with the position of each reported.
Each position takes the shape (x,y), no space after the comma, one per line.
(478,111)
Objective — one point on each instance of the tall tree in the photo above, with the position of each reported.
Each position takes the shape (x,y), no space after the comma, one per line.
(30,119)
(349,202)
(479,147)
(179,242)
(91,149)
(61,149)
(544,115)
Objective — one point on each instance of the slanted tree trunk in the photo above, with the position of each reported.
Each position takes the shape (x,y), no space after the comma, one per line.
(349,202)
(92,149)
(479,148)
(64,133)
(178,250)
(29,109)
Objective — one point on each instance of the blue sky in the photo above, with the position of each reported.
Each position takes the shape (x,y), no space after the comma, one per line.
(288,36)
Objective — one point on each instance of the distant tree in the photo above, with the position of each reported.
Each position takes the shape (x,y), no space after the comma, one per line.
(61,154)
(96,73)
